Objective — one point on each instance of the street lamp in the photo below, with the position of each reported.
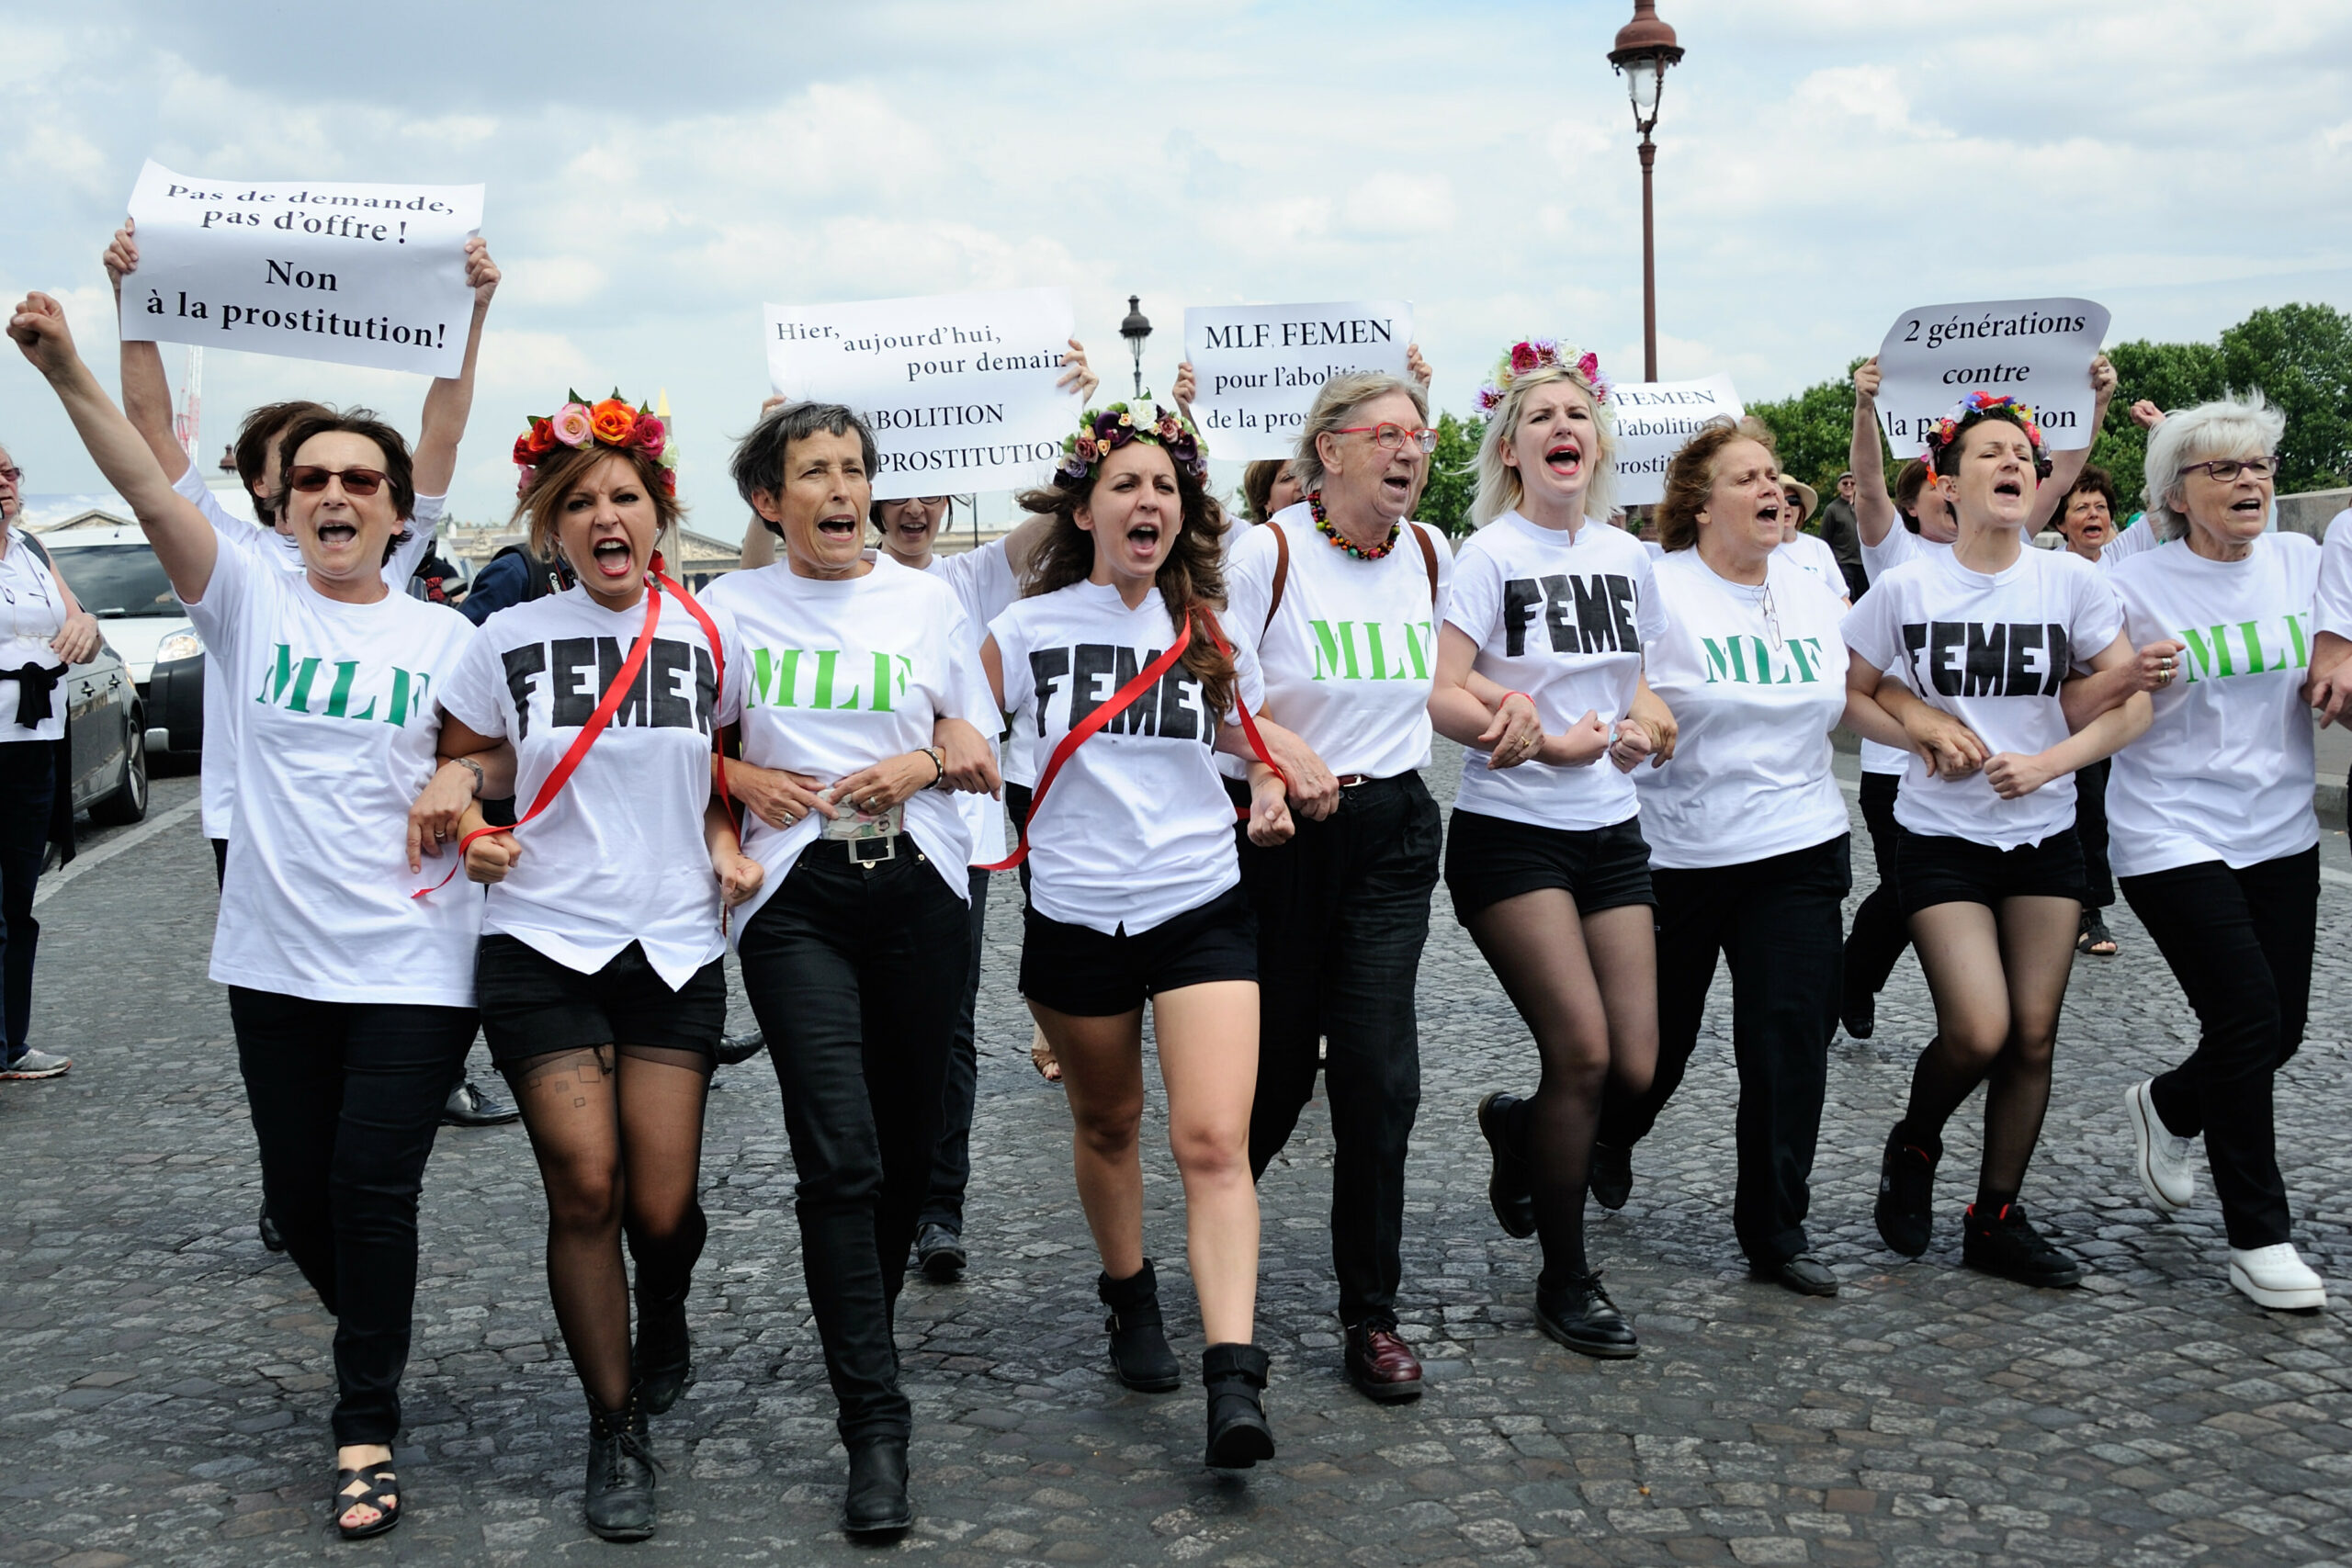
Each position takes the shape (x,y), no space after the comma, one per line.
(1646,47)
(1135,329)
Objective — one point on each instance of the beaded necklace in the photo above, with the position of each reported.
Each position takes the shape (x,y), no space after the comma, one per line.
(1323,527)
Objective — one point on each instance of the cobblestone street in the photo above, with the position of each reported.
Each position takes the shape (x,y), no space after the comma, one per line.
(167,1379)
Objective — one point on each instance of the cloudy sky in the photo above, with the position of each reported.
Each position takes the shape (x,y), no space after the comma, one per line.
(655,172)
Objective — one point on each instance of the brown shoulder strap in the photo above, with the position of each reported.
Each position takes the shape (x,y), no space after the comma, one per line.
(1428,558)
(1282,573)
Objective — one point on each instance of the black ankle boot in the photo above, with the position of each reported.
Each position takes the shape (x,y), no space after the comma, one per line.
(620,1474)
(1139,1351)
(663,1357)
(1239,1435)
(876,1503)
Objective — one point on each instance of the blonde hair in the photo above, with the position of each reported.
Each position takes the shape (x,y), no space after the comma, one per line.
(1336,403)
(1500,486)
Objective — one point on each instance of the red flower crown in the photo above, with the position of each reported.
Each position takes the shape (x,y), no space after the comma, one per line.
(579,424)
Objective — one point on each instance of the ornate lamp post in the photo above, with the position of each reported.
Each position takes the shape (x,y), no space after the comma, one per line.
(1646,47)
(1135,328)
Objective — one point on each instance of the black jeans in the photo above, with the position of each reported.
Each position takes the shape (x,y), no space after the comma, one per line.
(1343,910)
(951,1162)
(28,779)
(345,1098)
(2090,827)
(1776,919)
(2240,944)
(856,974)
(1880,933)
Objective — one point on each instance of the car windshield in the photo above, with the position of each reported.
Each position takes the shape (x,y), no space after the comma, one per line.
(118,580)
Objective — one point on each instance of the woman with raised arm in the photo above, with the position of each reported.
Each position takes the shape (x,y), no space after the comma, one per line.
(1115,668)
(352,1000)
(1545,859)
(1969,650)
(599,970)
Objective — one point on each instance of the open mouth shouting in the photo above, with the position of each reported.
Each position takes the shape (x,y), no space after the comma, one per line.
(839,528)
(2249,508)
(1769,511)
(2010,485)
(613,559)
(1143,540)
(1565,458)
(336,532)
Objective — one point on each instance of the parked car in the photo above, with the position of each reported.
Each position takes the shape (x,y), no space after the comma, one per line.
(115,576)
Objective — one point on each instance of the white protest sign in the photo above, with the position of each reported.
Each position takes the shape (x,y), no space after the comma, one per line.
(2036,351)
(1259,366)
(1653,419)
(958,388)
(356,274)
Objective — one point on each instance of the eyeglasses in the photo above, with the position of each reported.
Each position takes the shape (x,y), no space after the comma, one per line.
(2227,469)
(311,480)
(12,474)
(1392,437)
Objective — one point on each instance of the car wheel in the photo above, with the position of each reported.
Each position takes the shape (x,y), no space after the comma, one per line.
(127,804)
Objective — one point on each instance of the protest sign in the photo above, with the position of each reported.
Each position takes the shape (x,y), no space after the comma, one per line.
(958,388)
(1653,419)
(2036,351)
(1259,366)
(352,272)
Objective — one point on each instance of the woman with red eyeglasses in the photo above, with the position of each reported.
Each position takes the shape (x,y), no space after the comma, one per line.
(353,1001)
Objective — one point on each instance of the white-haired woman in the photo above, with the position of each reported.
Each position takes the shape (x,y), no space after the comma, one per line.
(1545,859)
(2211,831)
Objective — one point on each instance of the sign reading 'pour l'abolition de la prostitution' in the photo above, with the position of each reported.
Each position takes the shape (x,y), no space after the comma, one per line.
(1652,420)
(352,272)
(959,388)
(1259,366)
(2036,351)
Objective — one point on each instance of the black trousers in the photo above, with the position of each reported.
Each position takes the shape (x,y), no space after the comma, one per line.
(1777,921)
(1880,933)
(28,781)
(951,1162)
(345,1098)
(1343,910)
(855,973)
(2090,827)
(2240,944)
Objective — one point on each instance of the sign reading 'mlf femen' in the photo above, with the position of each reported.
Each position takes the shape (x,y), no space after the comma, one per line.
(347,272)
(1259,366)
(1653,419)
(2036,351)
(959,388)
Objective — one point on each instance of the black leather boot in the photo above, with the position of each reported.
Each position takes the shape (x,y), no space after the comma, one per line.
(1239,1435)
(1140,1350)
(876,1503)
(663,1359)
(619,1503)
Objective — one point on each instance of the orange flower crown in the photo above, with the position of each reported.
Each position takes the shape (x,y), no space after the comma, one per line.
(579,424)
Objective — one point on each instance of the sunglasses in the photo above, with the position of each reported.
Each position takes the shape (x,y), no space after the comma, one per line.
(12,474)
(309,478)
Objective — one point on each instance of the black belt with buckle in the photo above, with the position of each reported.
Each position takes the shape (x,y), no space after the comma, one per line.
(859,850)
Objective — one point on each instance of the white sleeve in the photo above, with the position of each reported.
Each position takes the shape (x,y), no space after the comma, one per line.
(423,524)
(2332,604)
(1474,600)
(220,616)
(1871,631)
(1649,615)
(1444,547)
(2139,535)
(474,691)
(1249,581)
(1900,545)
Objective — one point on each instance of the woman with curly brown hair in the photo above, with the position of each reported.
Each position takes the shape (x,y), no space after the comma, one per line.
(1116,666)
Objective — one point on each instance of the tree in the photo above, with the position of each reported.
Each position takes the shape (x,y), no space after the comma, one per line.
(2300,357)
(1454,475)
(1812,431)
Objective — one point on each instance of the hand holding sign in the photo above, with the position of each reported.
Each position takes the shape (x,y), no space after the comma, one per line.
(2036,351)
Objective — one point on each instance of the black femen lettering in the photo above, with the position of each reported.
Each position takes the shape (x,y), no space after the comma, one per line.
(672,709)
(1142,716)
(1520,598)
(2017,680)
(1183,708)
(608,670)
(522,664)
(2062,656)
(1048,668)
(577,681)
(1987,660)
(1090,664)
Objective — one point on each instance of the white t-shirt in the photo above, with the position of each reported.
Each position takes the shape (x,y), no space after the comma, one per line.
(1899,546)
(618,855)
(1562,618)
(1754,697)
(982,580)
(840,673)
(335,737)
(1351,652)
(1137,827)
(1992,651)
(218,783)
(2331,602)
(1808,553)
(2225,771)
(32,611)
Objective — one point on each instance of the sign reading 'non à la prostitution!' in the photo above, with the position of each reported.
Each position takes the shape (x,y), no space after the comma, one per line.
(353,273)
(958,389)
(1257,368)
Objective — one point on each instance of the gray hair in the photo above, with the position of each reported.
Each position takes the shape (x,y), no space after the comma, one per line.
(758,463)
(1336,403)
(2227,427)
(1500,486)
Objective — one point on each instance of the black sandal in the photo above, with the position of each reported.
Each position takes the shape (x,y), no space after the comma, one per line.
(382,1494)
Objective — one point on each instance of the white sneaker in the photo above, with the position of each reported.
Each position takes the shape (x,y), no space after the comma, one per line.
(2160,1158)
(37,1065)
(2277,1277)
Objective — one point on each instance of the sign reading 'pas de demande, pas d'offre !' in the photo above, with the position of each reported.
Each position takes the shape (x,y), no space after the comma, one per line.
(352,272)
(1258,368)
(2036,351)
(959,388)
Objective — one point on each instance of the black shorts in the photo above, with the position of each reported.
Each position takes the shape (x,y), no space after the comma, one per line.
(532,1006)
(1930,869)
(1490,859)
(1086,974)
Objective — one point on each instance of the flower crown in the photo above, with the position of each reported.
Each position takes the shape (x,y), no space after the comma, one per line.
(1545,353)
(1968,411)
(1101,432)
(581,423)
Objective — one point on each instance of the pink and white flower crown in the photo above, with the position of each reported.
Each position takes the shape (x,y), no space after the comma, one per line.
(1535,354)
(611,423)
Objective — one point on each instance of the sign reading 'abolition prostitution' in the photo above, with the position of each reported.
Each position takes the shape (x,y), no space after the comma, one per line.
(1653,419)
(959,388)
(2036,351)
(1259,366)
(355,273)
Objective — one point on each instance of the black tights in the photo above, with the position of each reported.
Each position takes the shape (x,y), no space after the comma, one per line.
(1587,988)
(618,1132)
